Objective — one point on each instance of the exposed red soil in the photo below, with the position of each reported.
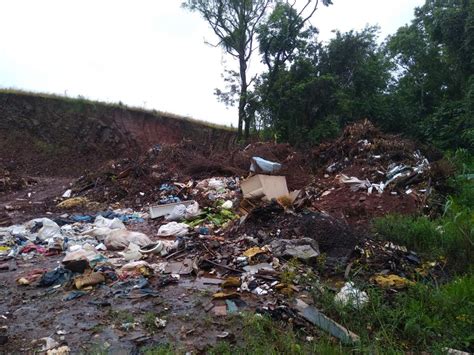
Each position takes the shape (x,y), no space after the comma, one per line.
(66,136)
(358,208)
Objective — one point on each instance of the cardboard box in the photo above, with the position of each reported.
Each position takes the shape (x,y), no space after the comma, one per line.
(264,186)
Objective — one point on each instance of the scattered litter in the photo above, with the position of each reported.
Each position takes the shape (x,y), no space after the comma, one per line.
(73,202)
(249,240)
(173,229)
(305,249)
(49,343)
(179,267)
(166,209)
(392,281)
(119,239)
(161,247)
(319,319)
(264,186)
(225,295)
(350,295)
(259,165)
(132,253)
(160,322)
(89,280)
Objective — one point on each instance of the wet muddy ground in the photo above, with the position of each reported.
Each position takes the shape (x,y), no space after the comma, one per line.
(99,320)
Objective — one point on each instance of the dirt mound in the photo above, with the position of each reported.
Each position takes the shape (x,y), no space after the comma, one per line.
(361,148)
(335,239)
(365,174)
(128,180)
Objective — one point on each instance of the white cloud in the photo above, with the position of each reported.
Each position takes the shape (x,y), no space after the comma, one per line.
(144,53)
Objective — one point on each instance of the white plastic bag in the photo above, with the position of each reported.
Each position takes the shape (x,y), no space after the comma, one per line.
(173,228)
(177,214)
(192,210)
(350,295)
(258,164)
(49,229)
(216,184)
(227,205)
(109,223)
(86,252)
(119,239)
(132,253)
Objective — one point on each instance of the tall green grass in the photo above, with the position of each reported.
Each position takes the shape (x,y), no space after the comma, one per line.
(422,318)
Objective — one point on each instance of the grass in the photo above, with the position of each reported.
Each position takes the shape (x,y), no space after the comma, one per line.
(149,322)
(81,102)
(161,349)
(426,316)
(423,318)
(120,316)
(261,335)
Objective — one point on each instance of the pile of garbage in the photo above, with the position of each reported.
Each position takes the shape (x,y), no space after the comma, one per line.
(381,162)
(366,173)
(138,182)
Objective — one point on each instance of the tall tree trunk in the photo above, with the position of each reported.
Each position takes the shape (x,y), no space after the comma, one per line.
(243,98)
(241,114)
(247,127)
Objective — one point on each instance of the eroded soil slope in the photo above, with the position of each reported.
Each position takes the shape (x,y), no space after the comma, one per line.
(60,136)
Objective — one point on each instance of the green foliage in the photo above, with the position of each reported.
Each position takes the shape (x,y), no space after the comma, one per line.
(451,235)
(263,336)
(419,81)
(327,128)
(149,322)
(417,233)
(161,349)
(217,216)
(283,37)
(422,318)
(435,88)
(324,87)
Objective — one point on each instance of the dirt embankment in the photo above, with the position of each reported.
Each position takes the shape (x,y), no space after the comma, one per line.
(42,135)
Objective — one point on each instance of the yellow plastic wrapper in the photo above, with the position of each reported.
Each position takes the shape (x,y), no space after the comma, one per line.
(73,202)
(92,279)
(250,253)
(225,295)
(231,282)
(392,281)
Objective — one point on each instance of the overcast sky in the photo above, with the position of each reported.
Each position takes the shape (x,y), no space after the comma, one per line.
(146,53)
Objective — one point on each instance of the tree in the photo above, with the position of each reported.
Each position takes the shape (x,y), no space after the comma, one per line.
(235,23)
(323,86)
(436,66)
(361,71)
(285,36)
